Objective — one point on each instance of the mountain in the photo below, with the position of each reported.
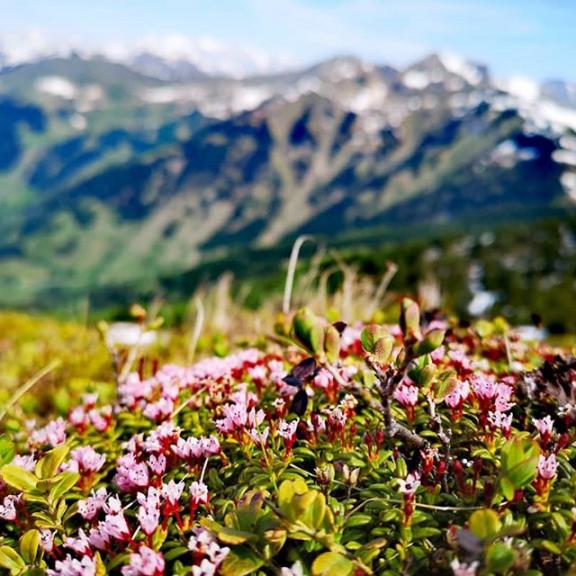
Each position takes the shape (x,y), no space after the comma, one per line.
(563,93)
(171,57)
(109,176)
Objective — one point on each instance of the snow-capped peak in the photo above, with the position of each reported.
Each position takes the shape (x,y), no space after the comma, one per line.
(473,73)
(521,87)
(208,55)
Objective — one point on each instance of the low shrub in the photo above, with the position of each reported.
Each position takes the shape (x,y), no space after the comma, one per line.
(333,450)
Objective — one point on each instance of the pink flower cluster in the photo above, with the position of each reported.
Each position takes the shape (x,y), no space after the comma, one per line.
(495,400)
(207,553)
(53,434)
(145,562)
(87,415)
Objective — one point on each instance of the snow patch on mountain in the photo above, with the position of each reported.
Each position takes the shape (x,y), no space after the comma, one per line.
(454,64)
(57,86)
(525,89)
(416,80)
(210,56)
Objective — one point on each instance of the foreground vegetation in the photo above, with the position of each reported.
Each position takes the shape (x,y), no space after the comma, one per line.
(399,448)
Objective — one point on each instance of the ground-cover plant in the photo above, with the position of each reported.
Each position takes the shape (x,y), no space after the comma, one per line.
(339,450)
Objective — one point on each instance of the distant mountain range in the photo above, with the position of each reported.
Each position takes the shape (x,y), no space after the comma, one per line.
(168,57)
(119,170)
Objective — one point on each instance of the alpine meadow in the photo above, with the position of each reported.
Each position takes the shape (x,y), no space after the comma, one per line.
(288,289)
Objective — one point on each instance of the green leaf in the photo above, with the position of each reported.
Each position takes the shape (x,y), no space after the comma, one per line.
(485,524)
(519,462)
(29,545)
(249,509)
(410,318)
(159,537)
(48,466)
(286,493)
(431,341)
(358,520)
(11,560)
(234,537)
(444,387)
(499,557)
(64,482)
(100,566)
(7,450)
(508,488)
(240,562)
(18,478)
(370,335)
(175,553)
(332,343)
(383,349)
(423,375)
(317,511)
(332,564)
(309,331)
(44,521)
(551,547)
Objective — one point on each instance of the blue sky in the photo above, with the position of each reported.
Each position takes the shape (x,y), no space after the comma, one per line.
(536,38)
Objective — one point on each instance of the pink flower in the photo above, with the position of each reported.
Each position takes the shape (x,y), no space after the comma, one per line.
(73,567)
(159,410)
(99,537)
(89,400)
(88,460)
(115,526)
(545,426)
(78,417)
(113,505)
(323,379)
(101,419)
(149,512)
(258,373)
(157,464)
(260,438)
(172,491)
(8,508)
(462,569)
(131,474)
(52,434)
(28,462)
(196,448)
(47,540)
(202,543)
(501,421)
(145,562)
(80,545)
(89,507)
(237,417)
(484,387)
(406,394)
(287,430)
(409,485)
(547,466)
(198,494)
(457,397)
(149,519)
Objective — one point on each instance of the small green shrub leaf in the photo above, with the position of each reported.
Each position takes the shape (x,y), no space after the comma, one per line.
(18,478)
(29,545)
(332,564)
(48,466)
(240,562)
(485,524)
(11,560)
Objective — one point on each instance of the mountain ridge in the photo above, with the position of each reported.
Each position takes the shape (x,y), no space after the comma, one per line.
(132,177)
